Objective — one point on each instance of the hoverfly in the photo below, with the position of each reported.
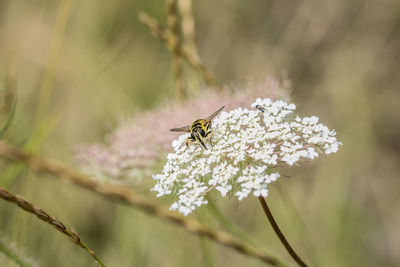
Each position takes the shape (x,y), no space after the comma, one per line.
(200,130)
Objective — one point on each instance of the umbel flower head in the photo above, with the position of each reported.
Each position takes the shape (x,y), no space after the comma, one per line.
(139,141)
(248,145)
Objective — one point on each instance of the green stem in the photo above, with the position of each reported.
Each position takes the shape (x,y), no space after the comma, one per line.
(279,233)
(295,215)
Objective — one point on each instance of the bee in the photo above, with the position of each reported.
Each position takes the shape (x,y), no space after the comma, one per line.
(200,130)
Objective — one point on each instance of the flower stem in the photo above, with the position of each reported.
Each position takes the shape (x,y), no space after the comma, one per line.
(278,232)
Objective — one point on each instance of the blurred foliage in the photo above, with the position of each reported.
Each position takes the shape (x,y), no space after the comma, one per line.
(342,57)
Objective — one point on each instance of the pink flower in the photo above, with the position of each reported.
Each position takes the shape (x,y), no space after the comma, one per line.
(144,138)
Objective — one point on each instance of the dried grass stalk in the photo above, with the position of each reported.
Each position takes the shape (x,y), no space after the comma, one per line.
(173,44)
(192,59)
(128,197)
(44,216)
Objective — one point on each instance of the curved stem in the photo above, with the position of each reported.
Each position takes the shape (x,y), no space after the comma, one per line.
(314,259)
(278,232)
(44,216)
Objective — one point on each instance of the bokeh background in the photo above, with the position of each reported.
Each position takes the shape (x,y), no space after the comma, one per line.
(80,65)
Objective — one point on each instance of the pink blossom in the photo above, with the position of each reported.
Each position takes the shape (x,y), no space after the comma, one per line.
(142,139)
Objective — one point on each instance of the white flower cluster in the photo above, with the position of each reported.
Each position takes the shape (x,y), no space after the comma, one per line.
(247,145)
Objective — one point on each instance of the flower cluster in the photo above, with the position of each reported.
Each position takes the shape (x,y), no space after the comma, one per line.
(142,139)
(248,145)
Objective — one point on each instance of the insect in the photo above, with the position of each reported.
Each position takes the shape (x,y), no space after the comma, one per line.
(260,108)
(200,130)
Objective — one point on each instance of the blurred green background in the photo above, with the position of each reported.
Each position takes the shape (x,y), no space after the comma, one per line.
(97,62)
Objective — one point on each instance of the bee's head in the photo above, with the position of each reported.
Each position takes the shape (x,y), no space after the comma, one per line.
(207,125)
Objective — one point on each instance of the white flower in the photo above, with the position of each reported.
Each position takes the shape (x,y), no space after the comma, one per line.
(247,147)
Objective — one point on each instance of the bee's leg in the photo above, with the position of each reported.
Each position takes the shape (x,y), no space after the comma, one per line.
(202,144)
(209,136)
(199,139)
(189,141)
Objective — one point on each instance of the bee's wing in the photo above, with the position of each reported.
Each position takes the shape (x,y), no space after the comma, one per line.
(181,129)
(212,116)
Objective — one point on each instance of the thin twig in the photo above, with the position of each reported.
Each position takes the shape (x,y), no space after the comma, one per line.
(128,197)
(173,44)
(192,60)
(279,233)
(44,216)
